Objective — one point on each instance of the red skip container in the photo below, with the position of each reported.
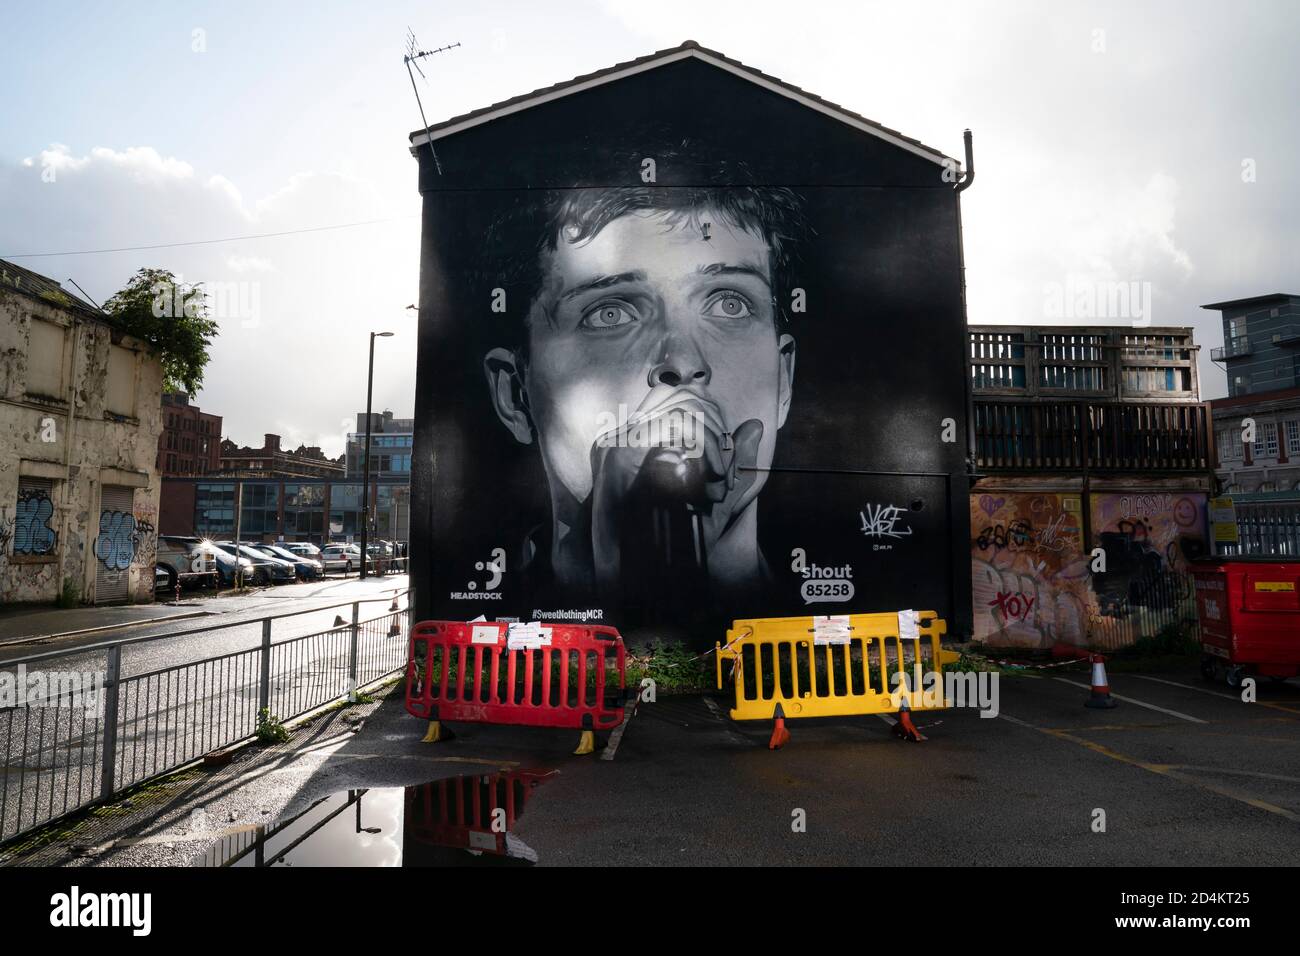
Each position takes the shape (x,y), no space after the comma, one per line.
(1249,610)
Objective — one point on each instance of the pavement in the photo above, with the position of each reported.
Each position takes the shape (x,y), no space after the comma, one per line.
(1182,773)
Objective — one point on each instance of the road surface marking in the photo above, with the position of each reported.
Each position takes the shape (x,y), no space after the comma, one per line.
(1091,728)
(1164,770)
(611,746)
(1216,693)
(1131,700)
(1237,773)
(732,732)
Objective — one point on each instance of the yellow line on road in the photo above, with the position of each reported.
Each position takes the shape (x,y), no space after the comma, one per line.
(1164,770)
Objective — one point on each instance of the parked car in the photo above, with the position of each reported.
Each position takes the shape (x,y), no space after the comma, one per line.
(341,557)
(308,569)
(187,560)
(304,548)
(164,579)
(265,569)
(227,564)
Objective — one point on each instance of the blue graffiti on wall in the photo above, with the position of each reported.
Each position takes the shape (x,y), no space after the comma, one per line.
(117,540)
(32,531)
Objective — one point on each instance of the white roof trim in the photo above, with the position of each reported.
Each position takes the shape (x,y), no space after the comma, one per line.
(421,137)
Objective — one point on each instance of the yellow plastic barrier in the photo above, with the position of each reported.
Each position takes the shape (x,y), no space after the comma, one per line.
(777,662)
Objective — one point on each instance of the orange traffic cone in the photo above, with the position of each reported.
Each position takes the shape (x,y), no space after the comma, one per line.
(780,736)
(905,729)
(393,607)
(1100,694)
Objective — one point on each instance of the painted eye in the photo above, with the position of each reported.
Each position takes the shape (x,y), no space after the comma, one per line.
(729,305)
(608,316)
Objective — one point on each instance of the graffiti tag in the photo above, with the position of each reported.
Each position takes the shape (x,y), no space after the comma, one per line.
(880,521)
(1014,606)
(1050,538)
(32,531)
(117,542)
(997,536)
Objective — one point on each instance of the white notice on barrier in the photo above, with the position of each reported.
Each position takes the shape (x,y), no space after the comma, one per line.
(527,636)
(485,634)
(478,840)
(909,625)
(831,629)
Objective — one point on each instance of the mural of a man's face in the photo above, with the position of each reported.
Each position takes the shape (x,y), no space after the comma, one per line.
(650,315)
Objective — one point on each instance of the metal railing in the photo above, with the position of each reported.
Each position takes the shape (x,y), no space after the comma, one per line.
(1097,436)
(1232,348)
(62,751)
(1266,527)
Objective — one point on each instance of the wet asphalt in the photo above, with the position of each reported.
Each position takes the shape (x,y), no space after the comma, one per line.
(1184,772)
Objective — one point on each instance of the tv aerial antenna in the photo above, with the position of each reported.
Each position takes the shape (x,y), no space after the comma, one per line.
(412,60)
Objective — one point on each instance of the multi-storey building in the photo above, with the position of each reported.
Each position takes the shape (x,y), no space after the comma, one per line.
(1257,426)
(190,442)
(390,445)
(1261,343)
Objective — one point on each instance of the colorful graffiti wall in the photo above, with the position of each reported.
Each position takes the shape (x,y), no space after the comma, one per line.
(1033,585)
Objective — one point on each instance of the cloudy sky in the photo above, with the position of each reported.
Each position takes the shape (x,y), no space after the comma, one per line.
(1154,143)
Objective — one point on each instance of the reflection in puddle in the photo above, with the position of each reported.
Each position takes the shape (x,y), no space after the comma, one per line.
(459,821)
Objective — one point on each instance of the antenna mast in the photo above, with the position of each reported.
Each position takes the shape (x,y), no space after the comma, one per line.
(413,55)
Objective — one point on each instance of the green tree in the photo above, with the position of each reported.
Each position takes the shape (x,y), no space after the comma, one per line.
(171,317)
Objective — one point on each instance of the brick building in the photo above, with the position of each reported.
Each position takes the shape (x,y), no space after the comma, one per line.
(271,461)
(190,442)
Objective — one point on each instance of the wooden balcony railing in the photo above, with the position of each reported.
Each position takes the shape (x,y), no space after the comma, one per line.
(1092,436)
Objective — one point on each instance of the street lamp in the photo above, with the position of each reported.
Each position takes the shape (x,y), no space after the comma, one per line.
(365,460)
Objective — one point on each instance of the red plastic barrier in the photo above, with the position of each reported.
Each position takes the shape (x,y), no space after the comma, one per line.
(477,678)
(462,812)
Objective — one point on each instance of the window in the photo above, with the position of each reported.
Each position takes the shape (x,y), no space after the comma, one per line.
(1266,440)
(1230,445)
(1293,437)
(34,534)
(120,393)
(214,510)
(45,360)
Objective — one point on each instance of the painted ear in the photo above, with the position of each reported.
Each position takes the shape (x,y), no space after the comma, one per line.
(505,386)
(785,345)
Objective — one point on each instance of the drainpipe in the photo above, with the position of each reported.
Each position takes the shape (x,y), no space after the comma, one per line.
(69,433)
(971,464)
(970,163)
(960,550)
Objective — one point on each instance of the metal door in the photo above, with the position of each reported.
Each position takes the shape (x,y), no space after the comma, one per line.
(115,545)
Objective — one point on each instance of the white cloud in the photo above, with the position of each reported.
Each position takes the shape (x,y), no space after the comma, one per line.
(317,293)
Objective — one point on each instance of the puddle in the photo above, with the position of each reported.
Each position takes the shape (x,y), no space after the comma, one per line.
(458,821)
